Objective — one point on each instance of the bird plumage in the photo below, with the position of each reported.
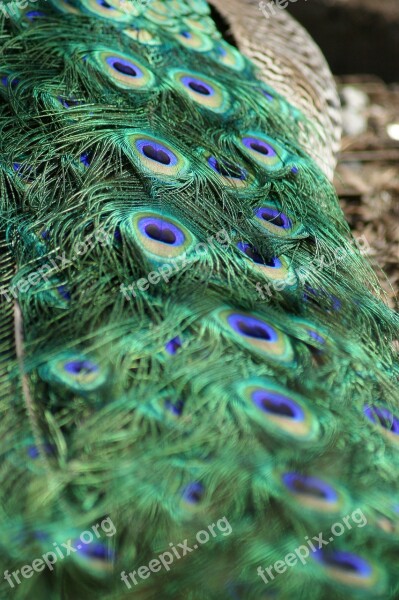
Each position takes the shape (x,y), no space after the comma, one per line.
(189,331)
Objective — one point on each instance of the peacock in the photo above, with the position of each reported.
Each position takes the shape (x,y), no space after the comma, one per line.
(199,372)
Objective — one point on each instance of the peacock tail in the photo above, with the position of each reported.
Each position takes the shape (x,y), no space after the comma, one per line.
(190,335)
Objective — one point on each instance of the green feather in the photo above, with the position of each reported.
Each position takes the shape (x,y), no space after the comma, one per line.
(188,331)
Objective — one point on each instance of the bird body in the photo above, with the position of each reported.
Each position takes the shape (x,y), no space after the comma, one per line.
(197,362)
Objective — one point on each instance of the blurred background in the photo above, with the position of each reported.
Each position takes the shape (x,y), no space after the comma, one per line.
(360,39)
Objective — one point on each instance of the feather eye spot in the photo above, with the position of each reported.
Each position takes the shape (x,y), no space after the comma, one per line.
(264,151)
(273,262)
(385,420)
(32,15)
(161,231)
(257,334)
(174,345)
(277,404)
(124,70)
(68,102)
(309,486)
(268,96)
(176,408)
(271,218)
(193,493)
(227,169)
(274,217)
(161,237)
(316,336)
(318,341)
(203,90)
(157,156)
(348,562)
(105,4)
(348,568)
(198,86)
(259,146)
(5,80)
(252,327)
(275,267)
(76,372)
(123,66)
(95,557)
(105,10)
(46,448)
(195,40)
(96,551)
(278,410)
(85,159)
(80,367)
(229,56)
(64,292)
(158,153)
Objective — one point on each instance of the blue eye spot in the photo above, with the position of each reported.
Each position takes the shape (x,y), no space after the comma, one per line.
(161,231)
(350,563)
(318,338)
(174,345)
(197,85)
(268,96)
(68,102)
(81,367)
(176,408)
(5,80)
(34,452)
(274,216)
(64,292)
(34,14)
(383,417)
(194,493)
(253,254)
(260,146)
(310,486)
(157,152)
(252,327)
(126,67)
(227,169)
(85,159)
(105,4)
(277,404)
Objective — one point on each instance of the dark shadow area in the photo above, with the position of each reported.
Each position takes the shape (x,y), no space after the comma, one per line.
(353,38)
(222,25)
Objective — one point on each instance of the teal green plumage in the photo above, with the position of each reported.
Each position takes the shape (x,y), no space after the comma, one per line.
(188,330)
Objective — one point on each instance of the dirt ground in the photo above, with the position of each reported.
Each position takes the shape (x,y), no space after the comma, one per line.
(360,39)
(367,177)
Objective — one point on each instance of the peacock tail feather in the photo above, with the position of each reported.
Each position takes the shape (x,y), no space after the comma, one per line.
(189,333)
